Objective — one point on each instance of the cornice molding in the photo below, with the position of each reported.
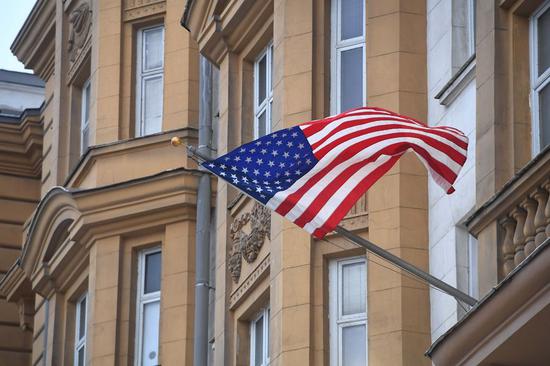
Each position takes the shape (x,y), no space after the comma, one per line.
(97,152)
(14,285)
(116,209)
(34,45)
(226,26)
(134,9)
(21,145)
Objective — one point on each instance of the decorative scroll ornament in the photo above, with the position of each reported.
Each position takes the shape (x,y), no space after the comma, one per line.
(81,21)
(245,245)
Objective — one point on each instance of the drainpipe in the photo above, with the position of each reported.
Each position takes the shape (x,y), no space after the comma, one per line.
(202,244)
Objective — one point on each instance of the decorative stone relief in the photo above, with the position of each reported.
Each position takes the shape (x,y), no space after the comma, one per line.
(248,283)
(134,9)
(248,245)
(80,20)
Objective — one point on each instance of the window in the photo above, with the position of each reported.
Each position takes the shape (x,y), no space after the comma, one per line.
(81,320)
(263,92)
(540,77)
(348,66)
(463,32)
(149,88)
(259,339)
(148,307)
(348,311)
(472,266)
(85,118)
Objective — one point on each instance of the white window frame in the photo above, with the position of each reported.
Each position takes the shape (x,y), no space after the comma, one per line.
(266,104)
(471,27)
(85,122)
(473,289)
(337,47)
(80,343)
(537,82)
(462,9)
(142,300)
(336,319)
(265,349)
(142,75)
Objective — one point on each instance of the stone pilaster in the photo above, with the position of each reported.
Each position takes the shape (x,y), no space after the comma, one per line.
(105,71)
(177,294)
(290,277)
(398,307)
(103,299)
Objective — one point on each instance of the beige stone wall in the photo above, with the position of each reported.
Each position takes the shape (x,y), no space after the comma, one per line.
(49,167)
(107,57)
(291,247)
(503,123)
(99,256)
(399,326)
(113,67)
(297,290)
(15,340)
(19,198)
(20,150)
(99,251)
(39,331)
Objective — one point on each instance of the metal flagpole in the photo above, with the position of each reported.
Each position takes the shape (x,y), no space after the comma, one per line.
(370,246)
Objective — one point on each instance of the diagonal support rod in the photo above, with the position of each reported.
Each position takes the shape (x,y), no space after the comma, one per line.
(406,266)
(370,246)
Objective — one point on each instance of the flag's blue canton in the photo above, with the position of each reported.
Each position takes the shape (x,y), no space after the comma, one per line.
(267,165)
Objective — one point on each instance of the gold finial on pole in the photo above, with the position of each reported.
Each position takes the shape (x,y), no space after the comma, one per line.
(176,141)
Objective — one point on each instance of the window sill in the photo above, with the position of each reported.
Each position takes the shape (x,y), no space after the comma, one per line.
(458,82)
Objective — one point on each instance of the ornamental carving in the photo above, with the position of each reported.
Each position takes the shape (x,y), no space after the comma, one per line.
(134,9)
(248,245)
(80,21)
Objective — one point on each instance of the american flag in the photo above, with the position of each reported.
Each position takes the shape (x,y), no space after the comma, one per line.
(313,173)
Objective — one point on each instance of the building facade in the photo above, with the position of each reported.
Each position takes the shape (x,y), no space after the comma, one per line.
(21,96)
(452,101)
(102,264)
(105,239)
(504,218)
(323,302)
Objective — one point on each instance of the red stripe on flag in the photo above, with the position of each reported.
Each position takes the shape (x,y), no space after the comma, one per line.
(344,126)
(350,200)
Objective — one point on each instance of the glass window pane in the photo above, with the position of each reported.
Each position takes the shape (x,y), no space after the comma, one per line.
(152,272)
(543,35)
(87,103)
(153,49)
(262,124)
(269,123)
(354,281)
(351,83)
(82,319)
(462,32)
(268,329)
(259,341)
(81,357)
(262,76)
(150,335)
(352,18)
(544,111)
(152,104)
(85,139)
(271,68)
(354,346)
